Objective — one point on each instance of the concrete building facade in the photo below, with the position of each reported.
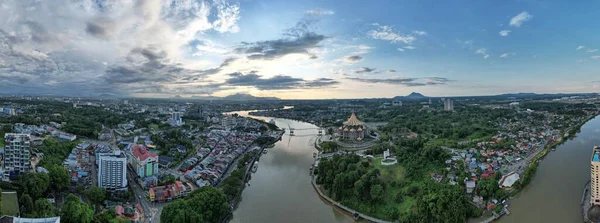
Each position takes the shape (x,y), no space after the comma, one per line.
(595,178)
(16,154)
(448,105)
(112,170)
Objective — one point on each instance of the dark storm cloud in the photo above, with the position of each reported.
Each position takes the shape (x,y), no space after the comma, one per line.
(96,30)
(148,65)
(409,82)
(38,33)
(364,70)
(298,40)
(353,59)
(273,49)
(279,82)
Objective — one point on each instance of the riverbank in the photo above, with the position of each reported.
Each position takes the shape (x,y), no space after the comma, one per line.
(564,170)
(247,176)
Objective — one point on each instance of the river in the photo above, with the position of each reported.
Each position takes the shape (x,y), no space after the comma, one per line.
(554,194)
(280,191)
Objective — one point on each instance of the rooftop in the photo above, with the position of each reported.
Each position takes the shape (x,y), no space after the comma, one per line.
(353,121)
(142,153)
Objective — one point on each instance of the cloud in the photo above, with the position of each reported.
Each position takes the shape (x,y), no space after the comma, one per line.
(409,82)
(595,57)
(227,16)
(352,59)
(361,70)
(387,33)
(517,20)
(299,40)
(482,51)
(504,32)
(505,55)
(93,47)
(409,47)
(580,48)
(319,12)
(401,49)
(278,82)
(591,50)
(420,33)
(391,71)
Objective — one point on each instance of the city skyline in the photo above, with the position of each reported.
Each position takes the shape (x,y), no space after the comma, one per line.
(297,50)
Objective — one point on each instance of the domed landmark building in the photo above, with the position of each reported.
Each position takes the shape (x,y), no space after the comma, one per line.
(353,129)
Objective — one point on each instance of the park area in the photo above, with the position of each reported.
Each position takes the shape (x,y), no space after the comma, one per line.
(10,203)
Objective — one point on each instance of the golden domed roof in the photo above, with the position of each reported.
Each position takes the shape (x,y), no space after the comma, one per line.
(353,121)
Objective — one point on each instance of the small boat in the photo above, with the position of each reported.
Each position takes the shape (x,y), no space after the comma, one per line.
(255,167)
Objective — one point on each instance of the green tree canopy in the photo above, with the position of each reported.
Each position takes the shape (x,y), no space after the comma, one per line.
(59,178)
(34,184)
(96,194)
(43,208)
(26,203)
(207,204)
(73,210)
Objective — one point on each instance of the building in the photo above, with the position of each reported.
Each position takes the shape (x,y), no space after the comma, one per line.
(448,105)
(144,162)
(507,181)
(13,219)
(353,129)
(228,121)
(112,170)
(176,116)
(595,181)
(396,103)
(16,154)
(67,136)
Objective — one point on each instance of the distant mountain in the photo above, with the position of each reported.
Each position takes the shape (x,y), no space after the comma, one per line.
(108,95)
(411,96)
(233,97)
(246,97)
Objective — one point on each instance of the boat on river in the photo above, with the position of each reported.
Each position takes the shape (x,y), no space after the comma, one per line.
(255,167)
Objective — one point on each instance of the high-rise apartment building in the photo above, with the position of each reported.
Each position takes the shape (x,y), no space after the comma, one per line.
(112,170)
(595,181)
(448,105)
(16,154)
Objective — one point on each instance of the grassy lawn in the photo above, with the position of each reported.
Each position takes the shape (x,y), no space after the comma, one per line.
(153,126)
(2,142)
(10,204)
(389,174)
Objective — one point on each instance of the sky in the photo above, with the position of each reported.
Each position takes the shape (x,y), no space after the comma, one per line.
(300,49)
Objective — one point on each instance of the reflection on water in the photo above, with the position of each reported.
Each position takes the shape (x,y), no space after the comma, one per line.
(554,194)
(280,190)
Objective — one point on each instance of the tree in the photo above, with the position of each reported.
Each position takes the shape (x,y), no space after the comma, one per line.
(27,203)
(96,194)
(376,193)
(74,210)
(105,216)
(207,204)
(35,184)
(59,178)
(43,208)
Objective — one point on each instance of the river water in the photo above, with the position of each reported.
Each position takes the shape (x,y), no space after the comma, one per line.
(554,194)
(280,191)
